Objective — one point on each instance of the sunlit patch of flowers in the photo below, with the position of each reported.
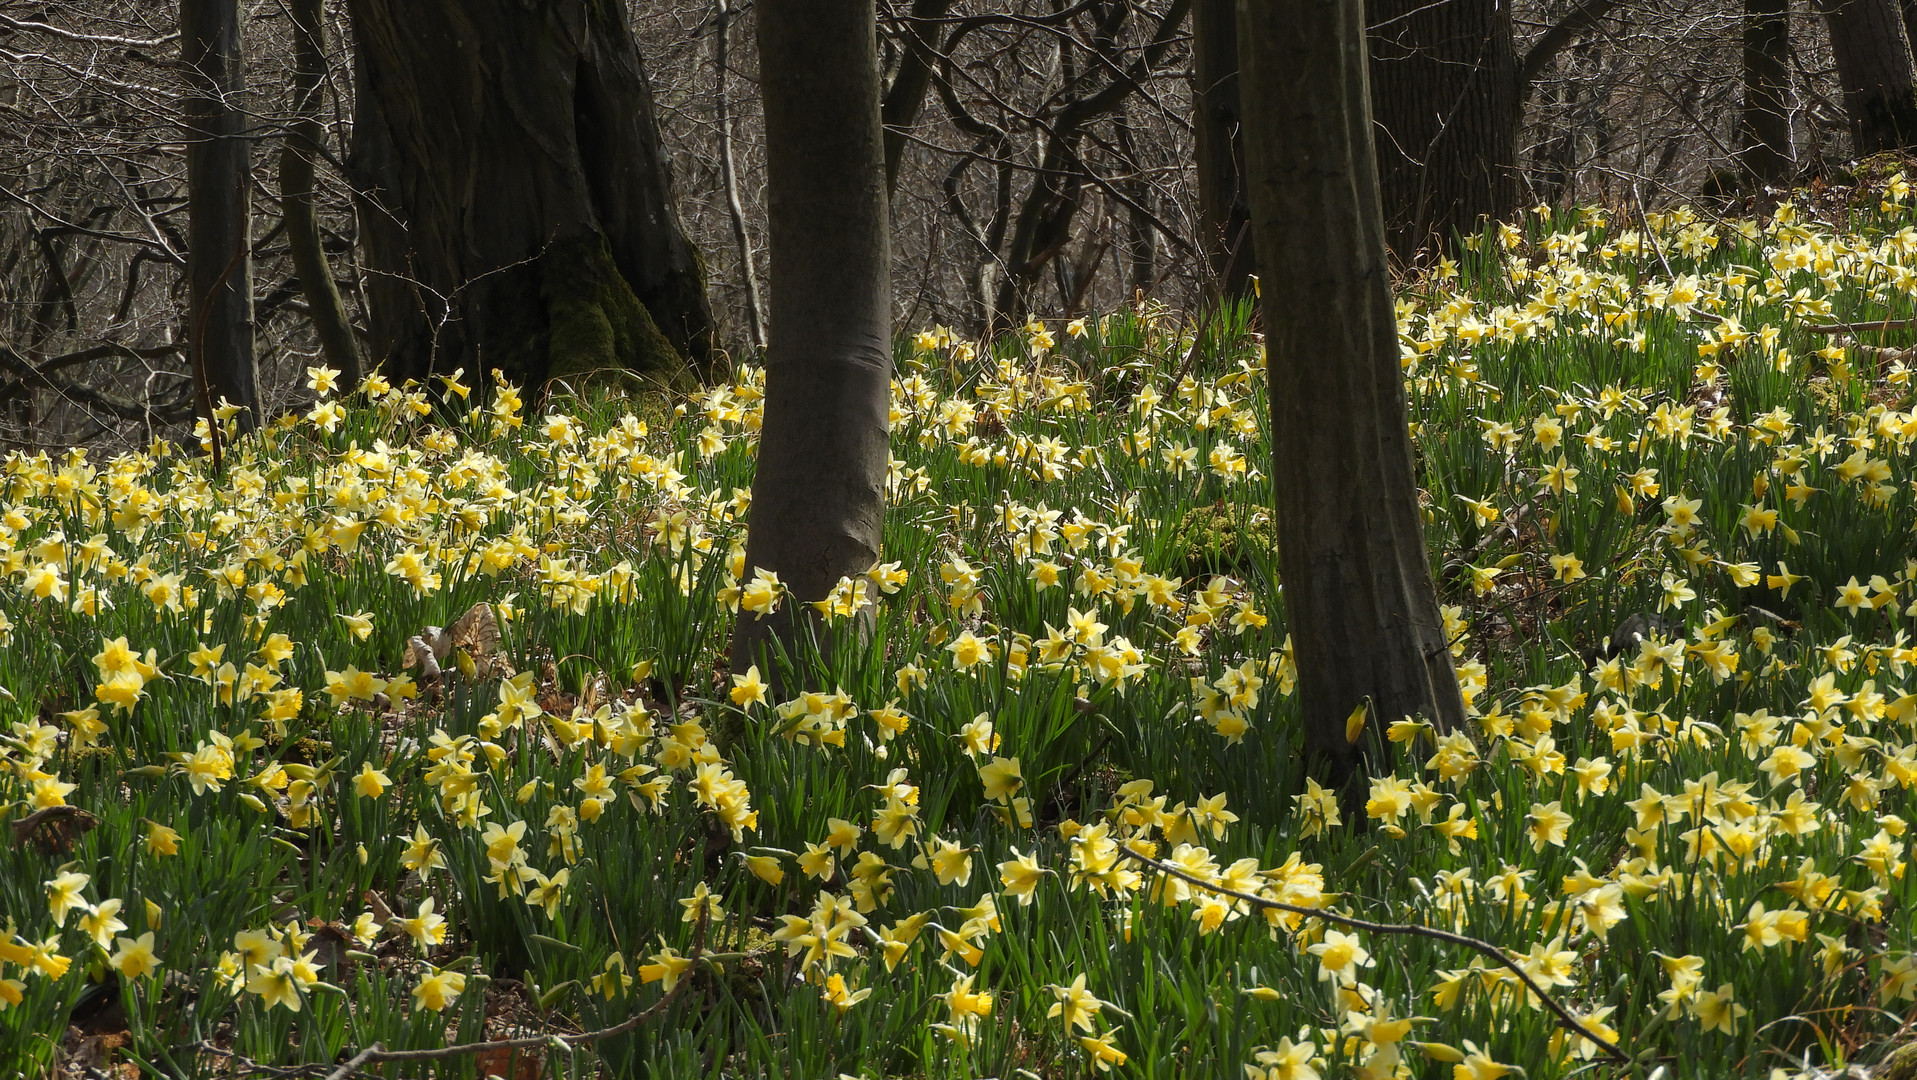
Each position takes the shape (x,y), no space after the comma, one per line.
(423,691)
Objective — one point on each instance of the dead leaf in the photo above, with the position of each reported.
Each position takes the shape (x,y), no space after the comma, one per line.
(513,1065)
(477,631)
(472,641)
(329,942)
(422,651)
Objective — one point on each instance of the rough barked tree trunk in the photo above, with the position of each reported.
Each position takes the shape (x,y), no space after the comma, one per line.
(1764,131)
(219,263)
(729,172)
(1445,95)
(1140,246)
(1359,599)
(1874,65)
(819,494)
(516,209)
(1223,213)
(297,157)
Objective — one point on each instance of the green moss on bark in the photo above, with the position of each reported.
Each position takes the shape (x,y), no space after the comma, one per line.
(596,326)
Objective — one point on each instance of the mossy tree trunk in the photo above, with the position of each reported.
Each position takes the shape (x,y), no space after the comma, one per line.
(516,208)
(818,497)
(1446,97)
(219,260)
(1359,599)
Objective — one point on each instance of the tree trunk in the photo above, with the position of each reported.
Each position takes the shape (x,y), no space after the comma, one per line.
(219,264)
(1874,64)
(1043,225)
(1445,94)
(1359,599)
(297,157)
(1223,212)
(516,208)
(1764,133)
(729,173)
(905,97)
(819,493)
(1141,235)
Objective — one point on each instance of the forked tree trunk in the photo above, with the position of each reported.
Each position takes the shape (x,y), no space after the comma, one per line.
(1445,95)
(1874,65)
(1223,212)
(819,493)
(297,157)
(1043,225)
(219,263)
(516,207)
(905,97)
(1359,599)
(1764,132)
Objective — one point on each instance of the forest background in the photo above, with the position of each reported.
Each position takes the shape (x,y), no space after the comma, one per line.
(1044,158)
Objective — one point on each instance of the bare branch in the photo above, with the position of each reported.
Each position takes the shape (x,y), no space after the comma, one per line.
(9,23)
(1565,1016)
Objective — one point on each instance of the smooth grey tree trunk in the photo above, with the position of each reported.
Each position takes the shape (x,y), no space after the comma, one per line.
(1874,65)
(297,157)
(1223,212)
(1359,599)
(219,264)
(516,208)
(819,494)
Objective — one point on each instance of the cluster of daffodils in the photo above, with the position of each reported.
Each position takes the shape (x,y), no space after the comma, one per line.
(447,678)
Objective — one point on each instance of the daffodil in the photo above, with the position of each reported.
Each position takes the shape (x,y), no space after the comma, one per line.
(1076,1006)
(134,958)
(437,988)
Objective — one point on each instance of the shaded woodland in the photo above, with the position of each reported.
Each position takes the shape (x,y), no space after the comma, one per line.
(1044,159)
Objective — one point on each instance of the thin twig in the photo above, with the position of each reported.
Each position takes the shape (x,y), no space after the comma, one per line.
(1565,1016)
(352,1066)
(375,1054)
(1066,780)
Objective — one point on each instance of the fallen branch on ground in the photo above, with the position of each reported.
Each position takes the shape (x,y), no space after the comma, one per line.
(1859,327)
(1565,1017)
(377,1054)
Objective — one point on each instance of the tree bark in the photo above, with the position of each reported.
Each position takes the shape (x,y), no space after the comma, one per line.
(297,156)
(1764,131)
(1445,94)
(905,97)
(516,208)
(1223,210)
(1141,234)
(1874,65)
(729,173)
(1359,599)
(818,496)
(219,270)
(1043,225)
